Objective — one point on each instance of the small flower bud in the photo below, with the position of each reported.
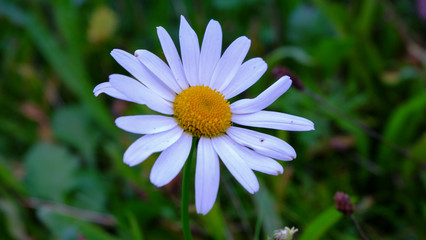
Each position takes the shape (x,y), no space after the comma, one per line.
(343,203)
(282,71)
(285,234)
(421,9)
(81,237)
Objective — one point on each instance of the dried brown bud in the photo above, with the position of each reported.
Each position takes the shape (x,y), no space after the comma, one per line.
(342,143)
(282,71)
(343,203)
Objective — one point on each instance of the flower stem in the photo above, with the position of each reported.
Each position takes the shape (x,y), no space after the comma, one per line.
(358,228)
(185,193)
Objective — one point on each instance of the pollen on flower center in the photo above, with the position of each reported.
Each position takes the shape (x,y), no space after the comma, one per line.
(202,111)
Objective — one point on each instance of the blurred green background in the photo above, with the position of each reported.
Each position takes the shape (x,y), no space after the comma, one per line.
(362,63)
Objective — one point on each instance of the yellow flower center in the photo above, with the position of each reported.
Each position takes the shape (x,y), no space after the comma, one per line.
(203,112)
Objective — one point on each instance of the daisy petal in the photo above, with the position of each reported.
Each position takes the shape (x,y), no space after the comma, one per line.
(140,94)
(247,75)
(171,161)
(210,51)
(225,148)
(262,143)
(264,99)
(106,88)
(140,72)
(229,63)
(207,176)
(259,162)
(172,56)
(146,124)
(190,51)
(158,68)
(274,120)
(142,148)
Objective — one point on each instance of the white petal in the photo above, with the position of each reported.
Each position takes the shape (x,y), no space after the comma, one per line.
(264,99)
(158,68)
(211,48)
(259,162)
(207,176)
(128,86)
(142,148)
(274,120)
(141,73)
(172,56)
(146,124)
(190,51)
(171,161)
(140,94)
(262,143)
(225,148)
(106,88)
(229,63)
(247,75)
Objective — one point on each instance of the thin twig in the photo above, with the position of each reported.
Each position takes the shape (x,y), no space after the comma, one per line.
(413,48)
(78,213)
(358,228)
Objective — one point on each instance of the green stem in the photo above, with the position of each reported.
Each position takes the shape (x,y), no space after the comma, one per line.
(185,193)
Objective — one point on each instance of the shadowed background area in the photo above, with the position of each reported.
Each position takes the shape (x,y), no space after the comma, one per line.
(359,74)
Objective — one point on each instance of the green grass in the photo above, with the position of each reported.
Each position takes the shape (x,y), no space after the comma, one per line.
(363,66)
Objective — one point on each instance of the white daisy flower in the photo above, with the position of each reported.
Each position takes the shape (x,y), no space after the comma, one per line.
(191,93)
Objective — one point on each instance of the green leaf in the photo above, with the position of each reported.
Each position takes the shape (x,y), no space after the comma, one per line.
(366,17)
(8,180)
(72,125)
(295,53)
(267,210)
(229,4)
(91,192)
(68,21)
(328,63)
(419,150)
(67,228)
(214,222)
(306,25)
(320,225)
(135,229)
(13,220)
(405,122)
(50,171)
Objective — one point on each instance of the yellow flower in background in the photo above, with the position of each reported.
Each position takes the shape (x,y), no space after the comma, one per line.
(102,25)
